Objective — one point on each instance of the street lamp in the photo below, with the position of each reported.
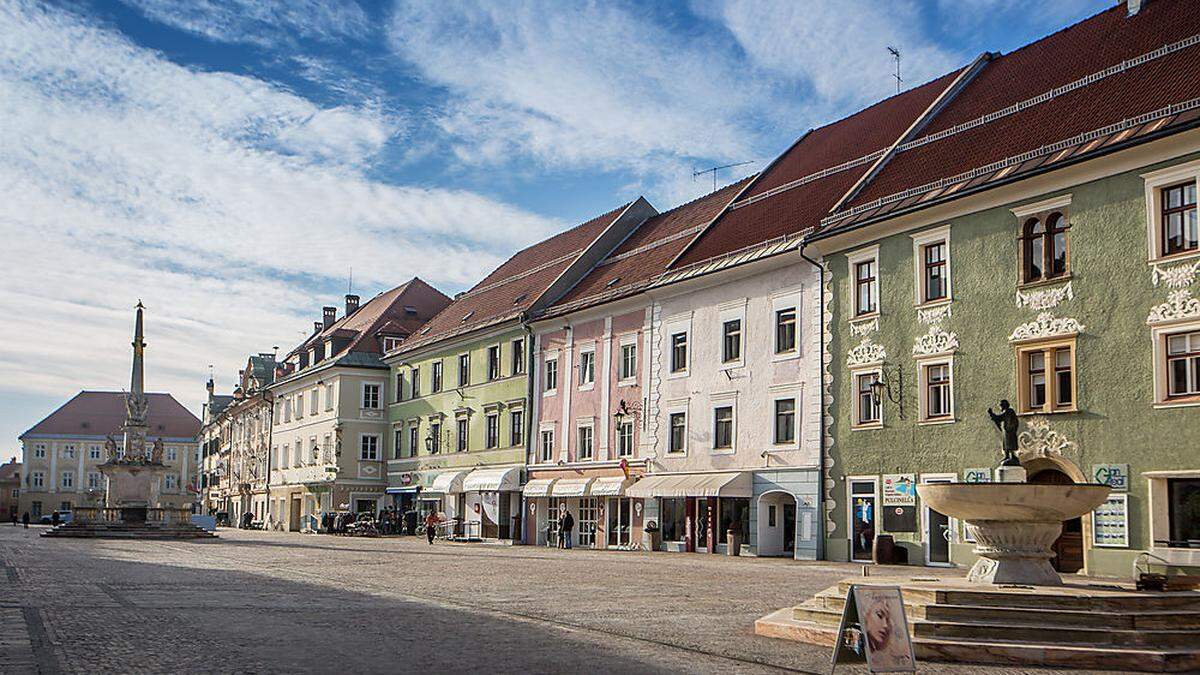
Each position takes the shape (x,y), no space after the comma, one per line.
(890,383)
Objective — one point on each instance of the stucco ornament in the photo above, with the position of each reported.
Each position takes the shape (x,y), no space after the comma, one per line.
(865,353)
(1045,298)
(1179,305)
(1039,440)
(1179,276)
(933,315)
(861,328)
(936,341)
(1046,325)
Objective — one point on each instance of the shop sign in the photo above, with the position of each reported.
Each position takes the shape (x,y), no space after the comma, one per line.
(1115,476)
(406,479)
(977,475)
(874,629)
(900,489)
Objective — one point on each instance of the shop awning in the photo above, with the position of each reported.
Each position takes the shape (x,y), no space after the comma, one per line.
(571,487)
(613,486)
(507,479)
(539,487)
(735,484)
(448,482)
(406,490)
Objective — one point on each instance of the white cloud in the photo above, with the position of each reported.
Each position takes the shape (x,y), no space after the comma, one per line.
(265,23)
(221,200)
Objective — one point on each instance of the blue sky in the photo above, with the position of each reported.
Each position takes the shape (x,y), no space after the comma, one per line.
(228,162)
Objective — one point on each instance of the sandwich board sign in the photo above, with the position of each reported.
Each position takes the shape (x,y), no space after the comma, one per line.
(874,630)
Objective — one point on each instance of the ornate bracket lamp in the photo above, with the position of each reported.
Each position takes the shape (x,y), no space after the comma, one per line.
(890,383)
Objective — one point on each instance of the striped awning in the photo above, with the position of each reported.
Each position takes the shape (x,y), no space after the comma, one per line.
(734,484)
(571,487)
(539,487)
(611,486)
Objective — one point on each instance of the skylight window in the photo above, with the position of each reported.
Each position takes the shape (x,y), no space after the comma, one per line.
(467,316)
(520,298)
(612,282)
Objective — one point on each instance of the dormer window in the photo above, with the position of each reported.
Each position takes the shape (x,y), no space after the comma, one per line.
(391,343)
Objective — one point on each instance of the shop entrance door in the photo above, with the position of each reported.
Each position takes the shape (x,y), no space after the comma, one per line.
(553,513)
(789,528)
(620,522)
(294,515)
(588,507)
(703,525)
(504,516)
(863,519)
(937,531)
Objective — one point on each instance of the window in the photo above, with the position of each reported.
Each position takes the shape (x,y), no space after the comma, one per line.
(673,518)
(464,370)
(868,407)
(370,398)
(68,451)
(866,291)
(625,439)
(93,452)
(1178,220)
(934,265)
(785,330)
(547,446)
(171,481)
(492,435)
(1047,379)
(416,382)
(937,391)
(172,454)
(67,480)
(1044,247)
(35,509)
(518,356)
(314,401)
(1183,501)
(516,428)
(1183,364)
(37,479)
(397,443)
(368,447)
(628,361)
(435,437)
(94,480)
(329,397)
(463,433)
(390,343)
(723,428)
(785,421)
(39,451)
(731,343)
(299,402)
(587,368)
(584,450)
(678,439)
(399,389)
(414,439)
(551,375)
(494,362)
(679,352)
(435,377)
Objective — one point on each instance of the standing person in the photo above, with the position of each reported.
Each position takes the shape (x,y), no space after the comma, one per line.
(431,523)
(14,518)
(25,519)
(568,524)
(54,519)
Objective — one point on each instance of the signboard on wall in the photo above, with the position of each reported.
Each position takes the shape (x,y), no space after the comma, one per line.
(900,489)
(983,475)
(1110,522)
(1115,476)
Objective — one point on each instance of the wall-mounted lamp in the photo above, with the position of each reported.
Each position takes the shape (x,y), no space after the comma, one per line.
(890,383)
(624,410)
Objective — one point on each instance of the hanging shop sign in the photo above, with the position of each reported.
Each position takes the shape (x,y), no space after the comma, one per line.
(1110,522)
(1115,476)
(874,630)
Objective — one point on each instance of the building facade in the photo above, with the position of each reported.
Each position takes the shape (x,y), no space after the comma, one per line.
(61,453)
(329,420)
(235,444)
(10,489)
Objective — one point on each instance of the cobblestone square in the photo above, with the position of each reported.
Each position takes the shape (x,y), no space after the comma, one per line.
(260,602)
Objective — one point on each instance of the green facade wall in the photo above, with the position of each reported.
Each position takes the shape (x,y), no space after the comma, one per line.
(1113,294)
(508,392)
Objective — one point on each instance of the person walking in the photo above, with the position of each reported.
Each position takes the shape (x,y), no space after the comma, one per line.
(431,523)
(568,524)
(13,514)
(25,519)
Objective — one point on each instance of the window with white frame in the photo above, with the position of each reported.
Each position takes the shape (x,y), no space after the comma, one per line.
(587,368)
(628,370)
(37,479)
(518,356)
(864,275)
(723,427)
(391,343)
(93,452)
(67,480)
(937,391)
(1047,376)
(369,447)
(68,451)
(435,377)
(785,330)
(679,352)
(415,384)
(464,369)
(492,430)
(463,429)
(39,451)
(299,406)
(171,481)
(583,449)
(314,401)
(731,341)
(516,427)
(329,397)
(94,479)
(370,396)
(547,446)
(493,355)
(931,265)
(868,408)
(1182,365)
(677,439)
(172,454)
(625,439)
(1172,230)
(785,421)
(551,379)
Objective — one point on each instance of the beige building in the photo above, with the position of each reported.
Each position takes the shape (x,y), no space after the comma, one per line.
(235,439)
(62,453)
(329,421)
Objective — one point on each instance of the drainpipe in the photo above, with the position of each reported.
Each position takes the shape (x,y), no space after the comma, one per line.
(529,410)
(270,452)
(821,397)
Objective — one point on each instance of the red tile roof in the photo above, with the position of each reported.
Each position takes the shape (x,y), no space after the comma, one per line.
(97,413)
(513,287)
(10,471)
(646,253)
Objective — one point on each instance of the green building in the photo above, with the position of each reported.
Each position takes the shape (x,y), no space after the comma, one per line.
(1032,236)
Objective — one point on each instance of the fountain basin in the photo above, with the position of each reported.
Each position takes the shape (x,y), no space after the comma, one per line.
(1015,524)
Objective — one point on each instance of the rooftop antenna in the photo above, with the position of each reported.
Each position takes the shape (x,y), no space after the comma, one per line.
(714,169)
(895,52)
(350,282)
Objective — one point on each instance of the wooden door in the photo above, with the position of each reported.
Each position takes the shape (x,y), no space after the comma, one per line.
(1068,548)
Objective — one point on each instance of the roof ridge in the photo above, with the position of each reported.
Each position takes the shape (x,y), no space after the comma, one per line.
(520,275)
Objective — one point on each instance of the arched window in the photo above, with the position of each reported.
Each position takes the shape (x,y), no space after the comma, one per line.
(1034,249)
(1044,248)
(1056,240)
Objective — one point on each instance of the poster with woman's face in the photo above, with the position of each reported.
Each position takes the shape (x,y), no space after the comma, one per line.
(881,615)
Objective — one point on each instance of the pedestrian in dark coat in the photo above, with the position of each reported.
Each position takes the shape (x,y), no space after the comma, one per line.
(25,519)
(568,524)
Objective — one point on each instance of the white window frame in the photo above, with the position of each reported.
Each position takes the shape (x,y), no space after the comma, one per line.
(853,258)
(499,347)
(97,483)
(632,439)
(39,451)
(587,424)
(1159,335)
(314,401)
(789,395)
(623,343)
(94,452)
(170,482)
(784,300)
(378,395)
(676,326)
(1155,181)
(490,418)
(678,408)
(362,449)
(65,477)
(542,457)
(329,397)
(726,312)
(172,454)
(590,352)
(855,425)
(923,417)
(547,390)
(725,400)
(68,451)
(937,235)
(37,479)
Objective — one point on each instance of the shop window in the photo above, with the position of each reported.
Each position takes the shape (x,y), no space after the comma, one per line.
(1047,377)
(673,516)
(734,514)
(1183,499)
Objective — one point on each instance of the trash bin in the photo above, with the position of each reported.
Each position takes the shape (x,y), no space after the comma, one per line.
(733,540)
(885,550)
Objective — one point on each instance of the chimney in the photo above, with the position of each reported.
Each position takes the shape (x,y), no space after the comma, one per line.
(318,326)
(1134,6)
(210,386)
(328,315)
(351,304)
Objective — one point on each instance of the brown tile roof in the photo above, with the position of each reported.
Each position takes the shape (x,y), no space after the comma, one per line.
(646,253)
(97,413)
(10,471)
(513,287)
